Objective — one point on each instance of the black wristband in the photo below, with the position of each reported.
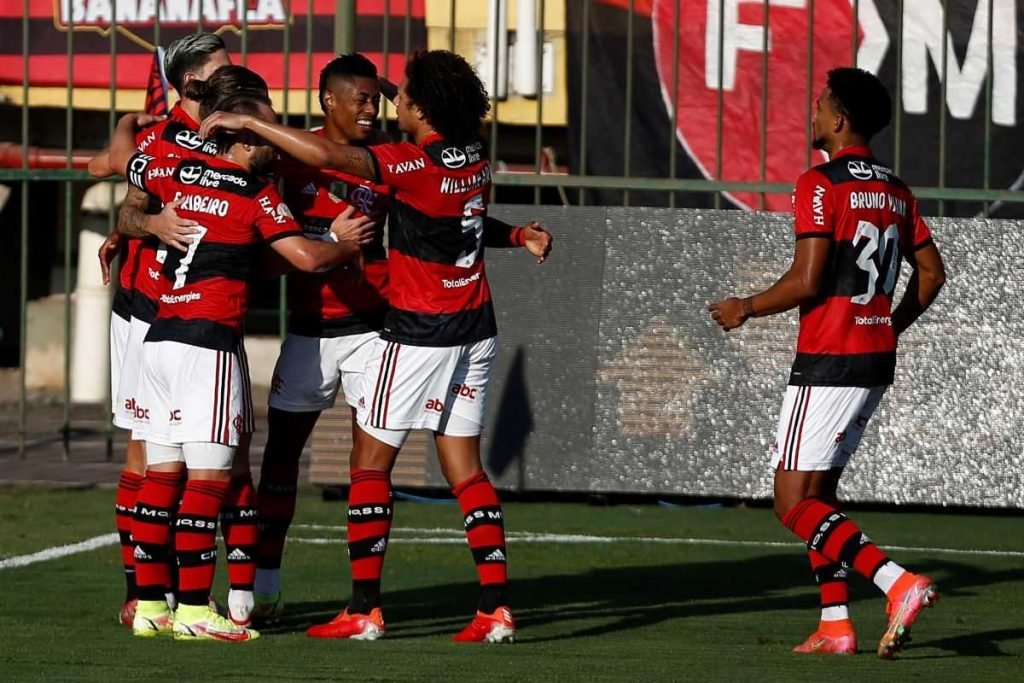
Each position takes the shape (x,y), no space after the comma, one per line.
(748,307)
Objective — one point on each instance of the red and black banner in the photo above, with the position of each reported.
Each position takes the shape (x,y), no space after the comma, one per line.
(679,67)
(128,28)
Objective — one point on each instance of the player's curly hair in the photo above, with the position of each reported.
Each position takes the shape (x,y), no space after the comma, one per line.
(226,83)
(189,53)
(353,64)
(449,92)
(861,98)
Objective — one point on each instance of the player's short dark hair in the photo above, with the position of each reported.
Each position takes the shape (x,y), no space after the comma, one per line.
(237,104)
(861,98)
(448,92)
(189,53)
(227,82)
(353,64)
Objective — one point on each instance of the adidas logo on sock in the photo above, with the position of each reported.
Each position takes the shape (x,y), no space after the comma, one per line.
(495,556)
(309,189)
(140,554)
(380,546)
(238,555)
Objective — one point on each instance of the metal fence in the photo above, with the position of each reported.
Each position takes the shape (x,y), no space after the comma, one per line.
(632,147)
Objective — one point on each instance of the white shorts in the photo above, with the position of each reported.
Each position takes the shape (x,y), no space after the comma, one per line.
(190,394)
(821,427)
(420,387)
(126,404)
(119,330)
(311,370)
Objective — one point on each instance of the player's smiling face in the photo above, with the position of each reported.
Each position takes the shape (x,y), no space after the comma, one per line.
(353,103)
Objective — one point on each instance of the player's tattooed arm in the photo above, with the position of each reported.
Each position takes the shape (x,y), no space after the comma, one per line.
(310,149)
(131,218)
(167,226)
(799,285)
(927,279)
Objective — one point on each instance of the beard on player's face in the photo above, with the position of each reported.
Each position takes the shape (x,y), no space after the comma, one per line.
(819,142)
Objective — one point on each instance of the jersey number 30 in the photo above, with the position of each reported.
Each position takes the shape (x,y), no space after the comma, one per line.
(880,259)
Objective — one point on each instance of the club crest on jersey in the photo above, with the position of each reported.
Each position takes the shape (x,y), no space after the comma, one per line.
(361,197)
(453,157)
(860,170)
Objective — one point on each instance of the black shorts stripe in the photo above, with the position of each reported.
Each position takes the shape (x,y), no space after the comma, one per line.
(377,416)
(796,419)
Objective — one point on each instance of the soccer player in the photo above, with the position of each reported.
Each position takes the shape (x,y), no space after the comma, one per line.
(192,384)
(194,57)
(335,317)
(430,368)
(855,221)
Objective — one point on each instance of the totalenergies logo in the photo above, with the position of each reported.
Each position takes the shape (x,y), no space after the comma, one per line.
(217,16)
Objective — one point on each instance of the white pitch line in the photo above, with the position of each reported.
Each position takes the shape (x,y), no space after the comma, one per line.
(530,537)
(60,551)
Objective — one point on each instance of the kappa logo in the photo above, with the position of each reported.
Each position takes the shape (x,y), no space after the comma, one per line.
(453,157)
(190,174)
(860,170)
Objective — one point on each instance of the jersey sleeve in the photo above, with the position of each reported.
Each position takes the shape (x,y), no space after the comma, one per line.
(273,220)
(150,174)
(813,206)
(920,233)
(399,164)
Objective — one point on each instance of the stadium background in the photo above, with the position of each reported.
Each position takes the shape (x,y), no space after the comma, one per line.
(686,104)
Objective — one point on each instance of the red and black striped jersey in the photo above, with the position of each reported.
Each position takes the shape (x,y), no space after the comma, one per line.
(330,304)
(175,136)
(437,284)
(871,217)
(206,292)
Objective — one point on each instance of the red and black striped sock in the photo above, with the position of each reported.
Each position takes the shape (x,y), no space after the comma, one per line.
(240,526)
(155,509)
(835,536)
(369,525)
(833,587)
(195,539)
(276,502)
(124,509)
(485,531)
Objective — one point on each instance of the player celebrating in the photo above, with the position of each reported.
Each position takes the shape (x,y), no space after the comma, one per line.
(430,368)
(855,220)
(194,57)
(334,316)
(192,384)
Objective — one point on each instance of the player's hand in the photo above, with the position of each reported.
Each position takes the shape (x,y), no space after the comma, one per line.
(537,240)
(108,250)
(219,120)
(170,228)
(347,227)
(728,314)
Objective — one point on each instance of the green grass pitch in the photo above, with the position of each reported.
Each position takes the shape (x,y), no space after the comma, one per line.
(615,610)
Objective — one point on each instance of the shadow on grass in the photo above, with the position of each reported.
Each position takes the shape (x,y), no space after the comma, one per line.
(607,600)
